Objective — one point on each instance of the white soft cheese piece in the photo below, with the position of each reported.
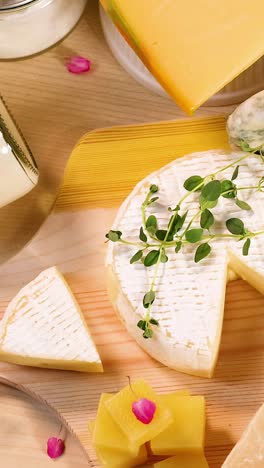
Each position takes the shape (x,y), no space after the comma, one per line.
(190,297)
(43,326)
(15,180)
(249,451)
(246,123)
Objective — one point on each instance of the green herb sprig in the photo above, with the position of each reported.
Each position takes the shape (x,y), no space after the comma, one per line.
(154,244)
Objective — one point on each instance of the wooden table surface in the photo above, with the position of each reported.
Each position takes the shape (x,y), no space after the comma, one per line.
(54,109)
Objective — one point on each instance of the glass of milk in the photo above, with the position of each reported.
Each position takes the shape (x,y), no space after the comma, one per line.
(30,26)
(18,170)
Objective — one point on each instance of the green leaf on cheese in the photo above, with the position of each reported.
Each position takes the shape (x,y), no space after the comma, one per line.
(136,257)
(151,258)
(243,205)
(207,219)
(114,236)
(148,299)
(235,173)
(193,183)
(202,251)
(194,235)
(211,191)
(246,247)
(152,224)
(142,235)
(228,189)
(235,226)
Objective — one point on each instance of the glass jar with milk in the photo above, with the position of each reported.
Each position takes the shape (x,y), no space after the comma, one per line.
(18,170)
(30,26)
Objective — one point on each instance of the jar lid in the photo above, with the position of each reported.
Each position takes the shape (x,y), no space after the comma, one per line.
(11,4)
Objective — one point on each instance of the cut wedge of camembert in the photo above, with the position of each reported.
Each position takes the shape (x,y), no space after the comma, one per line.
(249,451)
(43,326)
(190,297)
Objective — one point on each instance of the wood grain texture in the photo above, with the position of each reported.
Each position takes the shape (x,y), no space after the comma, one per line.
(73,239)
(25,428)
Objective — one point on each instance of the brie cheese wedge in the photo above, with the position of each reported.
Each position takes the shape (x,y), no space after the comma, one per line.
(190,297)
(43,326)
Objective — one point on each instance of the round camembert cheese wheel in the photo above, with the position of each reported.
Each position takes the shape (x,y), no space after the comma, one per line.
(190,296)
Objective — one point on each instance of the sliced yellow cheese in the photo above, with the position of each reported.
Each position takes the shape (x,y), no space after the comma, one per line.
(187,431)
(43,326)
(111,459)
(118,458)
(195,47)
(249,451)
(120,408)
(107,435)
(184,461)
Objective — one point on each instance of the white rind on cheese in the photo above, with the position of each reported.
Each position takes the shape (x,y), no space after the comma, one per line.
(190,297)
(43,326)
(249,451)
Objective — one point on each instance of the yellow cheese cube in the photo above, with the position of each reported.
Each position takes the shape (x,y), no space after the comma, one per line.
(186,433)
(184,460)
(194,47)
(116,458)
(107,434)
(120,408)
(167,398)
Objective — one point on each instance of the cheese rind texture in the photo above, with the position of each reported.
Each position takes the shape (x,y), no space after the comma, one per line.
(43,326)
(194,48)
(190,297)
(249,451)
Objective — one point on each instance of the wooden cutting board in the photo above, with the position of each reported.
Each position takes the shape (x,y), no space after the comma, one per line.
(102,170)
(26,425)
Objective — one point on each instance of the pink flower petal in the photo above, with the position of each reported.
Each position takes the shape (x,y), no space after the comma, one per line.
(55,447)
(144,410)
(78,64)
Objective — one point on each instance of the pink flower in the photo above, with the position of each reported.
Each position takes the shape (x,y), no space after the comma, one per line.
(144,410)
(55,447)
(78,64)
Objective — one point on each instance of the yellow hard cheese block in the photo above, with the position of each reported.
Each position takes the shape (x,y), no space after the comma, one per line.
(194,47)
(168,397)
(184,461)
(107,434)
(186,432)
(115,458)
(120,408)
(112,459)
